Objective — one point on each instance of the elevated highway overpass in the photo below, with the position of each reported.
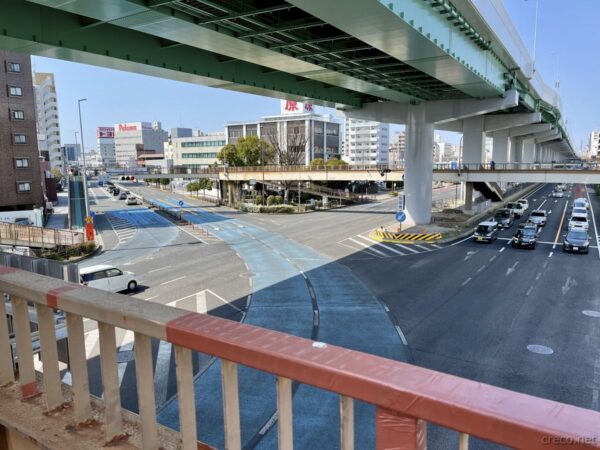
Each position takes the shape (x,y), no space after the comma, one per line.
(429,64)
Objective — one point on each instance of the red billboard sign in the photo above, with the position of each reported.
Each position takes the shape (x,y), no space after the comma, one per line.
(105,132)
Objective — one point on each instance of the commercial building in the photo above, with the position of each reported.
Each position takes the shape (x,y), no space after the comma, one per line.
(135,139)
(20,173)
(594,146)
(196,152)
(367,142)
(48,127)
(297,130)
(181,132)
(71,153)
(397,149)
(105,146)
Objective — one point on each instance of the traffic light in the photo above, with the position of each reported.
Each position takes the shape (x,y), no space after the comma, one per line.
(382,172)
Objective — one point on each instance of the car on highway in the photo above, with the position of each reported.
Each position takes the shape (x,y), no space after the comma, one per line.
(579,210)
(576,240)
(116,191)
(525,203)
(132,200)
(486,232)
(123,195)
(107,278)
(526,237)
(539,217)
(504,217)
(516,208)
(581,202)
(561,186)
(557,193)
(579,221)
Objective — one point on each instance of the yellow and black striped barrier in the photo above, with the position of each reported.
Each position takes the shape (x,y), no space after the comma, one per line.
(405,238)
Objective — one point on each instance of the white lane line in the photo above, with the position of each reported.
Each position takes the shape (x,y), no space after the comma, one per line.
(550,254)
(492,258)
(369,247)
(401,335)
(462,240)
(368,250)
(549,212)
(159,269)
(408,248)
(538,276)
(593,220)
(423,247)
(545,264)
(381,244)
(481,269)
(466,281)
(542,204)
(151,298)
(436,246)
(501,250)
(529,290)
(172,281)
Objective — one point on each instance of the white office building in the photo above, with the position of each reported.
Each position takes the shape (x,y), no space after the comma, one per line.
(594,146)
(48,126)
(196,152)
(297,125)
(105,146)
(397,149)
(72,153)
(366,142)
(137,139)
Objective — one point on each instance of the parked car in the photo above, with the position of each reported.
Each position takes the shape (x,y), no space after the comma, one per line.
(539,217)
(131,200)
(579,221)
(107,278)
(576,240)
(557,193)
(486,232)
(516,208)
(505,218)
(526,237)
(525,203)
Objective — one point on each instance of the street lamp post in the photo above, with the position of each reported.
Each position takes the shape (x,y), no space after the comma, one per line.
(85,193)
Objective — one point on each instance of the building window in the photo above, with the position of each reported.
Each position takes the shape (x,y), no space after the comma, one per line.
(15,91)
(22,163)
(13,67)
(23,186)
(17,114)
(19,139)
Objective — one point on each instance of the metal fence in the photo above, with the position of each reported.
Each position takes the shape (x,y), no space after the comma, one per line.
(31,236)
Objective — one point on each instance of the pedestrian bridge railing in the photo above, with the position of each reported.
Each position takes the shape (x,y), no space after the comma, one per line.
(406,397)
(31,236)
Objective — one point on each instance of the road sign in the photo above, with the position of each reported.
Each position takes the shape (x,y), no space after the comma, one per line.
(400,203)
(181,203)
(92,214)
(88,219)
(400,216)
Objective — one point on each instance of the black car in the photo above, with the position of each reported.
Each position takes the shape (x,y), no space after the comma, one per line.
(526,237)
(504,217)
(116,191)
(576,240)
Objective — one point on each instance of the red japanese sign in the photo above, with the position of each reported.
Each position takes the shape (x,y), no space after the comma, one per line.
(89,231)
(291,105)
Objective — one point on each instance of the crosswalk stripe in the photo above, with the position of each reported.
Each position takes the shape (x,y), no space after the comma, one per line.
(436,246)
(369,247)
(408,248)
(380,244)
(423,247)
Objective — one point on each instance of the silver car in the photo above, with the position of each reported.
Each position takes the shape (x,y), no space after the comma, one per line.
(539,217)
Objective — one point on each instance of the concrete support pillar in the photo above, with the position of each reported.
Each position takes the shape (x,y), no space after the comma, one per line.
(473,140)
(468,197)
(528,151)
(418,161)
(501,147)
(516,151)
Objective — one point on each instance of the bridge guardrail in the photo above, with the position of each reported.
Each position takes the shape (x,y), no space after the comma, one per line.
(406,397)
(39,236)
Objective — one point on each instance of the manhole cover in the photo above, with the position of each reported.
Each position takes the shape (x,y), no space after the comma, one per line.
(591,313)
(125,356)
(540,349)
(247,274)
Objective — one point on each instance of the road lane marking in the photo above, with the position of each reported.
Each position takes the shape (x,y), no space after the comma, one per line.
(560,226)
(481,269)
(501,250)
(538,276)
(550,255)
(462,240)
(150,298)
(529,290)
(492,258)
(436,246)
(466,281)
(387,247)
(542,204)
(545,264)
(593,220)
(404,341)
(172,281)
(160,268)
(408,248)
(369,247)
(512,268)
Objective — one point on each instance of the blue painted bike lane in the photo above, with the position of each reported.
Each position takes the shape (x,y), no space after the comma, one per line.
(298,291)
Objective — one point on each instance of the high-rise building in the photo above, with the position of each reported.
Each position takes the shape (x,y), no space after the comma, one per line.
(181,132)
(367,142)
(105,146)
(136,139)
(48,127)
(397,149)
(20,174)
(297,130)
(197,152)
(71,153)
(594,146)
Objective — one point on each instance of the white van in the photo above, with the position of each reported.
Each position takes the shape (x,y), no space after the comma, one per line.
(107,278)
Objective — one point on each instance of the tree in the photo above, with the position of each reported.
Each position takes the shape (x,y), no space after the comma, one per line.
(317,162)
(254,151)
(229,155)
(165,181)
(57,175)
(192,187)
(336,162)
(204,183)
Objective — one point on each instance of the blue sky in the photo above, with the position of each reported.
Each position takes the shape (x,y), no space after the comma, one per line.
(113,96)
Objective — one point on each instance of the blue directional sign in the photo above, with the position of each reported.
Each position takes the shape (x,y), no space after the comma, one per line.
(92,214)
(400,216)
(400,203)
(181,203)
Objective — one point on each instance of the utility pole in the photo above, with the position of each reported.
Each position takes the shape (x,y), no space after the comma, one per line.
(85,192)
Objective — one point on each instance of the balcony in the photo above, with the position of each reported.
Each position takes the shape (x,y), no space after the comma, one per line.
(405,398)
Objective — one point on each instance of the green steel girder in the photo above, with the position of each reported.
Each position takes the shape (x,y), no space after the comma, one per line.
(35,29)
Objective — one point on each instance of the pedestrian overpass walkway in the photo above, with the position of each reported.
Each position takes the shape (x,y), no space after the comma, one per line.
(38,237)
(36,410)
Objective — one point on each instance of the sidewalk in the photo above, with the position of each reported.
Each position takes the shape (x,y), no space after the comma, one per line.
(58,219)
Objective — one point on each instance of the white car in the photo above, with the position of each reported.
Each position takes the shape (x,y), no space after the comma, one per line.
(131,200)
(579,210)
(557,193)
(561,186)
(108,278)
(579,221)
(581,202)
(524,203)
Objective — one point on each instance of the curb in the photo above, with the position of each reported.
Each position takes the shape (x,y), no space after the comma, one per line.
(404,238)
